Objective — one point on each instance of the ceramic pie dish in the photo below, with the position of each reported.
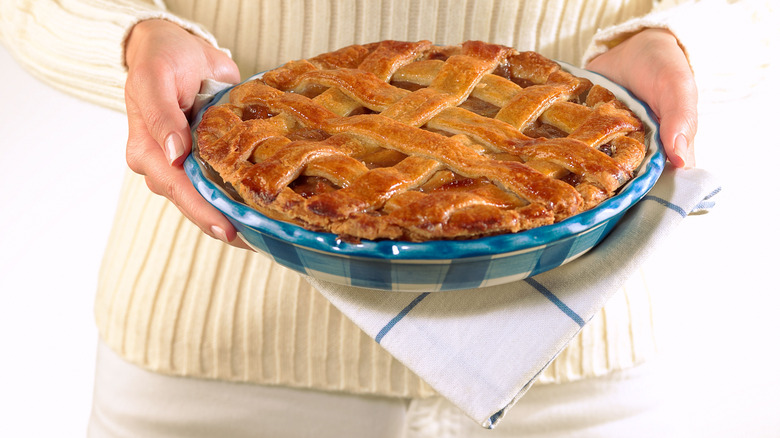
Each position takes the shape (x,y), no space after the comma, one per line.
(441,264)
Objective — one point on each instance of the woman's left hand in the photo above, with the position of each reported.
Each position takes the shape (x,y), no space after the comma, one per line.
(653,66)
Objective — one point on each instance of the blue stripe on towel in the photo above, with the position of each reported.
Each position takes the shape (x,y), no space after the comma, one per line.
(557,301)
(704,205)
(400,316)
(711,195)
(707,203)
(667,204)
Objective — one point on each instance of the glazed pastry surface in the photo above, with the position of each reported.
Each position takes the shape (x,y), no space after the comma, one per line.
(412,141)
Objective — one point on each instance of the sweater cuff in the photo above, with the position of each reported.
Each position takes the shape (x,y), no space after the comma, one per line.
(78,46)
(730,46)
(189,26)
(610,37)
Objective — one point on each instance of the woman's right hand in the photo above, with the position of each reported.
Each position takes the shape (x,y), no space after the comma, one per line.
(166,65)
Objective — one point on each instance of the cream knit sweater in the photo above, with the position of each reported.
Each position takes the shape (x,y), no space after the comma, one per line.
(175,301)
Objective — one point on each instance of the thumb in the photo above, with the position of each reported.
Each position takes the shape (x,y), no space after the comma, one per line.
(676,107)
(162,115)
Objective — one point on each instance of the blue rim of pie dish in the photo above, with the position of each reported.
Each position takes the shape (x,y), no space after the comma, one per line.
(400,251)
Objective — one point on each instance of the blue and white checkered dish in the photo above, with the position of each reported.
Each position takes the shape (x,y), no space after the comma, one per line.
(438,265)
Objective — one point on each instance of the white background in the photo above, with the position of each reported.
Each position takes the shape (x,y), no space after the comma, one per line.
(62,166)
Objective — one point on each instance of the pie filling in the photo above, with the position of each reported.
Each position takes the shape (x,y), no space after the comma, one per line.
(411,141)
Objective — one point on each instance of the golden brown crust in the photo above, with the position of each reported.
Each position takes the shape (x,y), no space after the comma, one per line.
(406,140)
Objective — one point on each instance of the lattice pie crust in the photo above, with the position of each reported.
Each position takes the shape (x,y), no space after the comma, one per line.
(412,141)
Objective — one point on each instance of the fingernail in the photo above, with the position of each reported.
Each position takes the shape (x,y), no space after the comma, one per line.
(174,147)
(681,149)
(219,233)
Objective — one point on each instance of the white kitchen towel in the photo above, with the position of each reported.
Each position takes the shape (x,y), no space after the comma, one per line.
(483,348)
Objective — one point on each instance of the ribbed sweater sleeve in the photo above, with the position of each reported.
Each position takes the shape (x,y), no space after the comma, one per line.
(77,46)
(713,35)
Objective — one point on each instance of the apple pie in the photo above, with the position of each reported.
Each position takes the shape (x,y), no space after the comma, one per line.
(415,141)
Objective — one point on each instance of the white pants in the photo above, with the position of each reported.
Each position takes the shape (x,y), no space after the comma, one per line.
(132,402)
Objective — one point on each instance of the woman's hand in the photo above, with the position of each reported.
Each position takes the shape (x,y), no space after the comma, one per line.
(653,66)
(166,65)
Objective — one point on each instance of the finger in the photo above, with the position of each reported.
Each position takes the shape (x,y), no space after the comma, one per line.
(173,183)
(145,157)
